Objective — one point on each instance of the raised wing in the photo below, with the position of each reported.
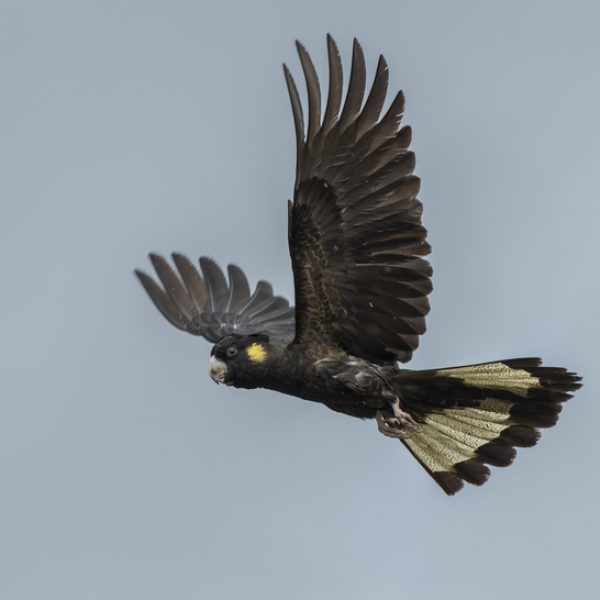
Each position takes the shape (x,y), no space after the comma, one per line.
(356,238)
(204,303)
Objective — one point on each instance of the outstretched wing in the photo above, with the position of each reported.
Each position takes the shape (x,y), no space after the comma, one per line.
(355,232)
(204,303)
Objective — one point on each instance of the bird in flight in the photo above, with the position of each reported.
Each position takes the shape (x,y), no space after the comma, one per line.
(361,283)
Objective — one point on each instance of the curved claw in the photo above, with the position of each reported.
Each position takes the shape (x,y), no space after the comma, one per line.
(404,419)
(395,427)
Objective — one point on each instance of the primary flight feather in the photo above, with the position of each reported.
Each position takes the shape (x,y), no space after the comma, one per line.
(361,285)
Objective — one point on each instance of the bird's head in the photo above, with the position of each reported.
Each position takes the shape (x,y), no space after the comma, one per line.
(240,360)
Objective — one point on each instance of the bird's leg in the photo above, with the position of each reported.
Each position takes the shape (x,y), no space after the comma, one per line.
(386,425)
(404,418)
(396,424)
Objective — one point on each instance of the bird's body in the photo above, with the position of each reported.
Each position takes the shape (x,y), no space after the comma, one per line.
(361,282)
(344,383)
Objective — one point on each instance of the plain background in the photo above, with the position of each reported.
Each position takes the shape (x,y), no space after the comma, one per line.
(134,126)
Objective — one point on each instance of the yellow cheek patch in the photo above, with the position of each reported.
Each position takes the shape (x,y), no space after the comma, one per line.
(256,352)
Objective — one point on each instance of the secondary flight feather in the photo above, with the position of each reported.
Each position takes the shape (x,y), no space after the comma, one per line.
(357,248)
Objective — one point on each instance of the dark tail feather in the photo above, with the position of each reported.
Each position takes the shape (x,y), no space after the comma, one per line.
(476,415)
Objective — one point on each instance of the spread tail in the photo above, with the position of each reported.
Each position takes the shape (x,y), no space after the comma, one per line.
(476,415)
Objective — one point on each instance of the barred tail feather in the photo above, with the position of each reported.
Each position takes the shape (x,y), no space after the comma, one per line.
(476,415)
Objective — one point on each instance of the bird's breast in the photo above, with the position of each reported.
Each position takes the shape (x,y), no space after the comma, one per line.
(346,384)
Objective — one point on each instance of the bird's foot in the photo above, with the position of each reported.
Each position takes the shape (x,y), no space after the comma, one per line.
(405,419)
(397,427)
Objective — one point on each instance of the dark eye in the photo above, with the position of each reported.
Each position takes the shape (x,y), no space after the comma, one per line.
(232,351)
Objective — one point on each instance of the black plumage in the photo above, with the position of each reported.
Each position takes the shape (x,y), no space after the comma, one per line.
(357,248)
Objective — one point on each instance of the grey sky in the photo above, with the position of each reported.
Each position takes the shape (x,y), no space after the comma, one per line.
(135,126)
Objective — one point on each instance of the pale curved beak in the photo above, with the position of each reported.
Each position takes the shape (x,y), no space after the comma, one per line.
(217,369)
